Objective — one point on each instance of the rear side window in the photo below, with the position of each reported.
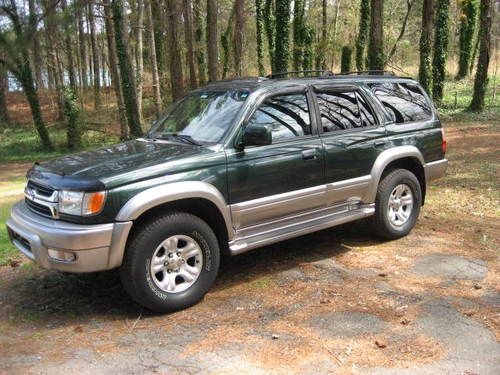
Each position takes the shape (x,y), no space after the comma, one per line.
(344,110)
(404,102)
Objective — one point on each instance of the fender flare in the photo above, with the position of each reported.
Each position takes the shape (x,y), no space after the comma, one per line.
(384,159)
(171,192)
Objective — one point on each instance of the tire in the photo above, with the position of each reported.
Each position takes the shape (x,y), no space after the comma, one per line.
(162,287)
(395,217)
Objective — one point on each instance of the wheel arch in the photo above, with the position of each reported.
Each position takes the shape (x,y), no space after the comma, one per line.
(405,157)
(198,198)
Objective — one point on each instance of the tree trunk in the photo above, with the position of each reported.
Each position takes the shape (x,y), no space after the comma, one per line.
(298,34)
(481,80)
(139,66)
(95,56)
(409,6)
(199,38)
(69,48)
(425,68)
(113,68)
(175,60)
(212,46)
(35,45)
(364,22)
(224,41)
(159,16)
(126,74)
(259,26)
(4,114)
(269,24)
(282,43)
(25,77)
(239,32)
(321,53)
(376,59)
(152,55)
(468,18)
(52,61)
(188,31)
(81,44)
(440,49)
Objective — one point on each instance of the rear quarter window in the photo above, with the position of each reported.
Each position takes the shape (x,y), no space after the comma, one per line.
(404,102)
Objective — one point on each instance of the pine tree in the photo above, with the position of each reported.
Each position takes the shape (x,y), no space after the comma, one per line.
(126,73)
(309,35)
(212,43)
(269,24)
(425,68)
(364,24)
(282,40)
(376,58)
(440,49)
(298,33)
(469,10)
(481,80)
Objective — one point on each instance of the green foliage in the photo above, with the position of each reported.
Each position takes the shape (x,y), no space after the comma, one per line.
(224,41)
(440,49)
(259,25)
(282,40)
(345,63)
(468,20)
(73,118)
(298,33)
(425,68)
(364,23)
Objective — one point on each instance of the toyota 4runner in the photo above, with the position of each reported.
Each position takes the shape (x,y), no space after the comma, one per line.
(233,166)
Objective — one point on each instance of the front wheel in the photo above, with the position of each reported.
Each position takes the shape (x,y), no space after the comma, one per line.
(171,262)
(397,206)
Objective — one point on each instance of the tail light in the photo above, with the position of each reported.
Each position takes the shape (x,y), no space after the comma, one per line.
(444,144)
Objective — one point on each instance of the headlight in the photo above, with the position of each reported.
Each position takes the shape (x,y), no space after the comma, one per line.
(81,203)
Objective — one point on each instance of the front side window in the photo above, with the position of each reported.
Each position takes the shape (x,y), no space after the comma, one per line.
(204,116)
(404,102)
(287,116)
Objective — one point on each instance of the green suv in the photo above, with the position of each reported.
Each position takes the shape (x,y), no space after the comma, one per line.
(233,166)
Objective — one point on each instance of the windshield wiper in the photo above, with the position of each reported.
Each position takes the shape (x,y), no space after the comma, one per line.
(181,137)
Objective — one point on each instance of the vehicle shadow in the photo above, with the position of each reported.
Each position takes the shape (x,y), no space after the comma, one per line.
(55,299)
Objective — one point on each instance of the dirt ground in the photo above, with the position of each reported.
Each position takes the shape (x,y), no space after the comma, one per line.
(338,301)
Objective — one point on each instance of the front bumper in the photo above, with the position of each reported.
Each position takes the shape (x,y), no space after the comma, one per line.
(94,247)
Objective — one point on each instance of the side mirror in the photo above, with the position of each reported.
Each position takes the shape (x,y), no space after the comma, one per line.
(256,135)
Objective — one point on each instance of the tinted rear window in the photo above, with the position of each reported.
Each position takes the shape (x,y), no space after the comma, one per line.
(404,102)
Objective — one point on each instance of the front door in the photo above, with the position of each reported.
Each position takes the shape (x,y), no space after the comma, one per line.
(285,177)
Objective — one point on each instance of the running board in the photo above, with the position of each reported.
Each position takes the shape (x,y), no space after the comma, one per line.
(297,225)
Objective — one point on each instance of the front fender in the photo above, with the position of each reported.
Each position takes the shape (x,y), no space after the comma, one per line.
(171,192)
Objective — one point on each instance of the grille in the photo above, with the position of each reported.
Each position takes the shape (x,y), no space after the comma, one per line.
(44,191)
(23,241)
(38,208)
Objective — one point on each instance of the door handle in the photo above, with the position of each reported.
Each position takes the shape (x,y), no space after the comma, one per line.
(309,154)
(379,143)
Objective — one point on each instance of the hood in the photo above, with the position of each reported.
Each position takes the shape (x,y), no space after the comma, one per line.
(85,170)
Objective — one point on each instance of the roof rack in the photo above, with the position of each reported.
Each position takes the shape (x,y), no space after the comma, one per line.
(305,73)
(370,72)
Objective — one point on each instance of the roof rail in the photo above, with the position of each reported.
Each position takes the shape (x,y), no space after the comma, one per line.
(305,73)
(370,72)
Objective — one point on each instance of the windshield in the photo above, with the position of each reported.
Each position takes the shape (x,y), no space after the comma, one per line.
(203,116)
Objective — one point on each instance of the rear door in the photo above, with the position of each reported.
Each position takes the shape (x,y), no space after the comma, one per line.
(285,177)
(352,139)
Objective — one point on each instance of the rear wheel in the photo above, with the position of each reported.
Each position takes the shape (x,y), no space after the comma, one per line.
(171,262)
(397,206)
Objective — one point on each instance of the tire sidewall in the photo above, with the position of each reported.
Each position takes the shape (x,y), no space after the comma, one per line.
(393,179)
(158,299)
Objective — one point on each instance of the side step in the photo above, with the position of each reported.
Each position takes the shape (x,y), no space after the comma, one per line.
(297,225)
